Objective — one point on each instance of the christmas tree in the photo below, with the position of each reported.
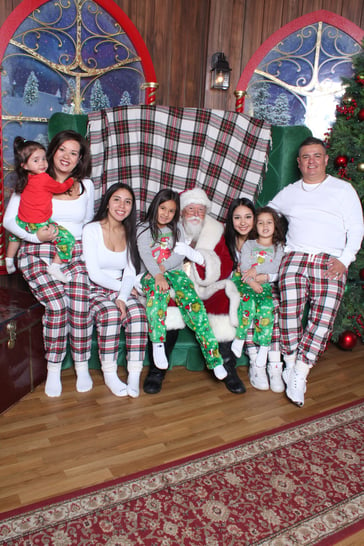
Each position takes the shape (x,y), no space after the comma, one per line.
(345,143)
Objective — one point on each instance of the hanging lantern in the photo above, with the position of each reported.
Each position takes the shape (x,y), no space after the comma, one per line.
(220,72)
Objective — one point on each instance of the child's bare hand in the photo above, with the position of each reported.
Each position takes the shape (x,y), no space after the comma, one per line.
(161,283)
(249,273)
(258,288)
(47,234)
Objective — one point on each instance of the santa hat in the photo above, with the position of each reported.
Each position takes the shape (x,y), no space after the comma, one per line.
(196,196)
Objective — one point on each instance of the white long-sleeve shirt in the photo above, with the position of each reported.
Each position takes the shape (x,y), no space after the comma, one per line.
(326,218)
(112,270)
(72,214)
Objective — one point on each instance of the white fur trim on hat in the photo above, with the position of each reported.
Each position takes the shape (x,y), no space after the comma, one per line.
(196,196)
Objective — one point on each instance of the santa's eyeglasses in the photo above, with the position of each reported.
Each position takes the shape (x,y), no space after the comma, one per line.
(194,210)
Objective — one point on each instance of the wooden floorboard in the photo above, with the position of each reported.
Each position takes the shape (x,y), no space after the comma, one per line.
(49,447)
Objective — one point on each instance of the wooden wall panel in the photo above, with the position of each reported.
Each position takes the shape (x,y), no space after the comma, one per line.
(182,35)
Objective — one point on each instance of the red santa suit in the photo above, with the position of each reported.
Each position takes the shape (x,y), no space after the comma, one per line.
(211,280)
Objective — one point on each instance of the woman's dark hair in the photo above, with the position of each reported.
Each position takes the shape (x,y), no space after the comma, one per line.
(23,149)
(231,236)
(280,224)
(152,214)
(83,167)
(129,222)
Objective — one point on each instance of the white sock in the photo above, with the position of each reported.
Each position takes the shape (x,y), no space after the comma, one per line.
(159,356)
(84,381)
(133,384)
(274,357)
(112,381)
(10,266)
(55,271)
(290,360)
(53,385)
(220,371)
(262,356)
(237,347)
(252,354)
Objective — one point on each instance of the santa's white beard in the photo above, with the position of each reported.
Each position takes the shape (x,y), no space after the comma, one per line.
(193,227)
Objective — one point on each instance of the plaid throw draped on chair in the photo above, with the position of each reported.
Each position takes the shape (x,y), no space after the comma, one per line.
(153,147)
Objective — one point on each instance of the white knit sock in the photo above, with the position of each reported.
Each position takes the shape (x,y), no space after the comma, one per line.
(220,371)
(159,356)
(112,381)
(133,384)
(55,271)
(237,347)
(84,381)
(262,356)
(53,385)
(10,265)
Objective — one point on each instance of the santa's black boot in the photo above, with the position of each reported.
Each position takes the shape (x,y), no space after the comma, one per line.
(153,381)
(232,380)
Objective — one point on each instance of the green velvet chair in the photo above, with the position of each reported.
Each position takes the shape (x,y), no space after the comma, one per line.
(282,169)
(282,165)
(186,353)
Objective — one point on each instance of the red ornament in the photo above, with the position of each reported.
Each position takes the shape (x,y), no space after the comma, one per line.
(361,274)
(347,340)
(361,114)
(341,161)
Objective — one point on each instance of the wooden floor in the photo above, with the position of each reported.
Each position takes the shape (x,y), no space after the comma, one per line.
(53,446)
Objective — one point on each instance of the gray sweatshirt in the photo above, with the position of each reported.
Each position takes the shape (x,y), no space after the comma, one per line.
(152,253)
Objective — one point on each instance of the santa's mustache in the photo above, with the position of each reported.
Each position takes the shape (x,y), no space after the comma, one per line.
(194,220)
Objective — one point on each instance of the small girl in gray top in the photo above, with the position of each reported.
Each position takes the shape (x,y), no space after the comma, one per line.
(259,265)
(157,238)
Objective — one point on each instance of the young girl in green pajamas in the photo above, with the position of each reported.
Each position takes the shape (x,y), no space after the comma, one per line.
(157,238)
(259,264)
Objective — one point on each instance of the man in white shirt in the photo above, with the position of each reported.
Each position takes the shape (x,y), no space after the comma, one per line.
(325,230)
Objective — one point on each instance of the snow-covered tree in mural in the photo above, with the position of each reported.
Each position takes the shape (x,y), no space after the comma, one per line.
(125,99)
(260,101)
(69,105)
(280,114)
(277,113)
(98,98)
(31,89)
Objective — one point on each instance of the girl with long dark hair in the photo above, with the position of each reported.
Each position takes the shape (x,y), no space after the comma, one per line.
(112,262)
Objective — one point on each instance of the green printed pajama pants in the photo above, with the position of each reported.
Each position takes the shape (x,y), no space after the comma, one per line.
(64,242)
(255,307)
(192,309)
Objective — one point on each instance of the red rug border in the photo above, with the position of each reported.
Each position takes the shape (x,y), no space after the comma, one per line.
(116,481)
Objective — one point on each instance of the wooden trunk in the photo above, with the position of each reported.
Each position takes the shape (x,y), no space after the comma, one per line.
(22,362)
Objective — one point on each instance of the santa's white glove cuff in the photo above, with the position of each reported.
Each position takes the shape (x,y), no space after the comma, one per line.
(183,249)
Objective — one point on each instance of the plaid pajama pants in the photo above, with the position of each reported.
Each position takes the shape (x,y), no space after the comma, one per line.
(108,324)
(192,310)
(66,314)
(301,280)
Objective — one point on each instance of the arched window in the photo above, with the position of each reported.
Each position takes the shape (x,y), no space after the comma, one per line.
(295,77)
(73,56)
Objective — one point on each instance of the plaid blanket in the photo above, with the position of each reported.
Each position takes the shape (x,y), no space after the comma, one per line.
(154,147)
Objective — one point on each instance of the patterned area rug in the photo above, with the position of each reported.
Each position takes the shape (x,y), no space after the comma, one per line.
(301,484)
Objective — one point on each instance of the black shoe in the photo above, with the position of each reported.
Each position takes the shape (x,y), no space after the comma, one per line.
(232,381)
(153,381)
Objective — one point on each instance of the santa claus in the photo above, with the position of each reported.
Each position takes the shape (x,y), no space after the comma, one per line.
(209,265)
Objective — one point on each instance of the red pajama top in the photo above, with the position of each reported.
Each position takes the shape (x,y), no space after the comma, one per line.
(36,199)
